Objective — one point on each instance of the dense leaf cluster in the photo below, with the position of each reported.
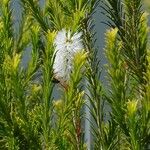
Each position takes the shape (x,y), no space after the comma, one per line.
(32,119)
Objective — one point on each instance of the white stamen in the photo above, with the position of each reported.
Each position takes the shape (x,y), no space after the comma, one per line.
(66,47)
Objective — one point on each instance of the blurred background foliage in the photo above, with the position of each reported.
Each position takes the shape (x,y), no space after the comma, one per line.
(31,118)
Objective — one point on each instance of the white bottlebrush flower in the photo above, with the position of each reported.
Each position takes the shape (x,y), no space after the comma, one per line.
(66,45)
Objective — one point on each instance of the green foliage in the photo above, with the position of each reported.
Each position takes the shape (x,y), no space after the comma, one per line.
(31,118)
(128,18)
(127,70)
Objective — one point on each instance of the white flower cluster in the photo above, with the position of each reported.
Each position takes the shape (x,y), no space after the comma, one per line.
(66,47)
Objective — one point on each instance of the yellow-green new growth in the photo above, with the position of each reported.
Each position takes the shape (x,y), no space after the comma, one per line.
(132,106)
(111,37)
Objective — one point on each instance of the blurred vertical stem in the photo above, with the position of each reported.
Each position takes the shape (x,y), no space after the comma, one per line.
(47,68)
(73,102)
(117,81)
